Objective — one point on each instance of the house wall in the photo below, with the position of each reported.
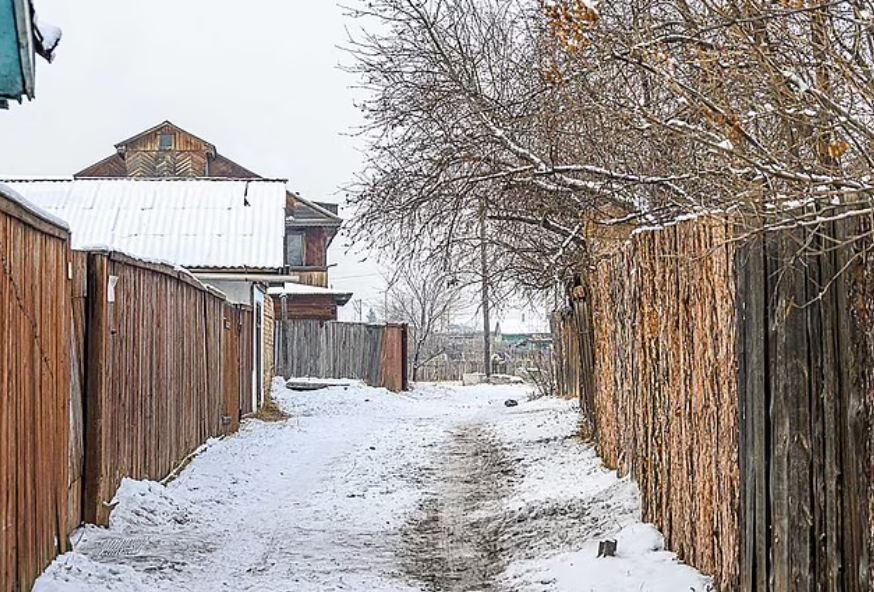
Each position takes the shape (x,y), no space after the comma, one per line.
(237,291)
(189,156)
(269,349)
(312,278)
(316,254)
(315,307)
(11,83)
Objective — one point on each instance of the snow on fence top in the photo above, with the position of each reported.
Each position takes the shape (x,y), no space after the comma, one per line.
(10,194)
(198,224)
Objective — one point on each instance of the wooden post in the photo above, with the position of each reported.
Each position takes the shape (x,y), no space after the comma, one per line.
(96,388)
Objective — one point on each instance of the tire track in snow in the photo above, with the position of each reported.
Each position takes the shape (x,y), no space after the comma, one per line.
(452,543)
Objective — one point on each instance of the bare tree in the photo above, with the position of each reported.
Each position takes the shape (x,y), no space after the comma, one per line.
(576,122)
(421,295)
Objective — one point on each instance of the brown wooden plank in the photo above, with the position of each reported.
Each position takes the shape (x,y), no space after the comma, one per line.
(7,462)
(96,395)
(856,428)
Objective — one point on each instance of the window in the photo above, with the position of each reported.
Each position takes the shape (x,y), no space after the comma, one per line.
(294,249)
(165,142)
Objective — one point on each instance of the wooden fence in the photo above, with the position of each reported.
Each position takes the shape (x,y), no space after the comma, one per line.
(157,381)
(110,367)
(735,391)
(35,333)
(805,435)
(376,354)
(520,364)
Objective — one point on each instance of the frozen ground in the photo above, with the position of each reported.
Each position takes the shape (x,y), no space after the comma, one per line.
(443,489)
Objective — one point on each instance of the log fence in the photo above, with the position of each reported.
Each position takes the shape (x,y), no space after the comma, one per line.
(724,377)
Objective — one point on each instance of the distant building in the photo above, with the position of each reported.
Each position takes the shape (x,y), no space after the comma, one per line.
(22,38)
(167,151)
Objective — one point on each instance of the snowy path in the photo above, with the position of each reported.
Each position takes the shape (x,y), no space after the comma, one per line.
(443,490)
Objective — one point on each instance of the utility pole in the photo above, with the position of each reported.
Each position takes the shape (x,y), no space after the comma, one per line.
(484,262)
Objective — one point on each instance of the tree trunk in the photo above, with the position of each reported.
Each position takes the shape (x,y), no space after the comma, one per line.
(484,261)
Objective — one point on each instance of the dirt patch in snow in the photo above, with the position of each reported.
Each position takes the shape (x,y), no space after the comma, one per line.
(477,518)
(271,412)
(453,543)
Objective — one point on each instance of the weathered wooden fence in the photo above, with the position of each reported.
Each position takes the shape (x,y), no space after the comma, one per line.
(35,333)
(572,343)
(157,383)
(516,364)
(735,390)
(109,368)
(805,434)
(376,354)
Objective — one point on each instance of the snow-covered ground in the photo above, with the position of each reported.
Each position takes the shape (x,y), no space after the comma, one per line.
(362,490)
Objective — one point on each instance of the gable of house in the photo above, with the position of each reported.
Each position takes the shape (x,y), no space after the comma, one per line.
(165,151)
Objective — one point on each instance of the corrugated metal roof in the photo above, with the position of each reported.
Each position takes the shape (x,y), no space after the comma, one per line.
(199,223)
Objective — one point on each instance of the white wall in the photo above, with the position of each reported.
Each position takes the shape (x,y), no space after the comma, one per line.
(237,291)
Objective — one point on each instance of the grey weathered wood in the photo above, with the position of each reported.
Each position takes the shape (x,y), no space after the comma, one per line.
(753,393)
(320,349)
(855,429)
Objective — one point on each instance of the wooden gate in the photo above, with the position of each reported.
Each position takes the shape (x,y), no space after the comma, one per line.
(247,359)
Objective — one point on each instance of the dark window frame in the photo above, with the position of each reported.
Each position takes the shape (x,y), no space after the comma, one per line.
(289,260)
(166,142)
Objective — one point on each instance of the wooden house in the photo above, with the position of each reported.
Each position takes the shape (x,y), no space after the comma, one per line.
(22,37)
(168,151)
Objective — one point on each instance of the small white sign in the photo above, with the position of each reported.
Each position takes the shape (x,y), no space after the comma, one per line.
(110,288)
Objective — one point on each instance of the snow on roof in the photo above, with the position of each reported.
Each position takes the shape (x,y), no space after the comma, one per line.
(198,223)
(12,195)
(292,289)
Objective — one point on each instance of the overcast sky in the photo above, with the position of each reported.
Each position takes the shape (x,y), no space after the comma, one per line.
(259,79)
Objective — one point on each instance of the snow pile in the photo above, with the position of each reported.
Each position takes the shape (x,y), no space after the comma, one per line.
(640,564)
(75,572)
(145,504)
